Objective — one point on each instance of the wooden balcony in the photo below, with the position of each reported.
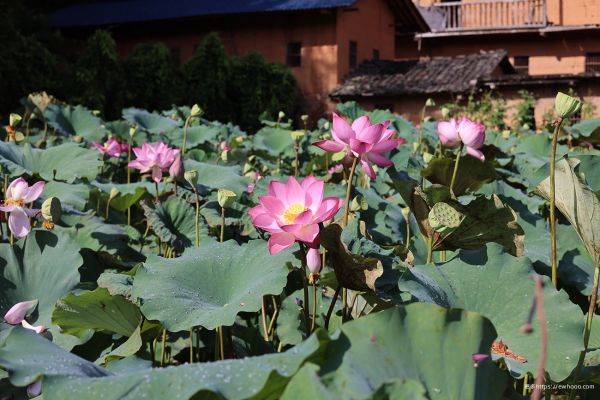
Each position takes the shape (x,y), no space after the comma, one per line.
(491,14)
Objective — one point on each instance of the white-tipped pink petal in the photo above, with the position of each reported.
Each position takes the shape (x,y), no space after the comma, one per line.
(294,192)
(18,222)
(447,131)
(313,260)
(277,189)
(37,329)
(330,145)
(476,153)
(308,233)
(272,204)
(361,123)
(19,311)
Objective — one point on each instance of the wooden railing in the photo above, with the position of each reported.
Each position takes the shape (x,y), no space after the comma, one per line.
(492,14)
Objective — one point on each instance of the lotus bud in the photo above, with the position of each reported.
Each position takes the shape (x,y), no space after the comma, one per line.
(304,117)
(566,105)
(406,213)
(35,389)
(326,125)
(313,260)
(191,177)
(19,311)
(196,111)
(427,157)
(78,138)
(14,119)
(415,146)
(477,358)
(506,134)
(114,192)
(37,329)
(445,112)
(444,219)
(176,169)
(296,135)
(51,209)
(225,198)
(280,116)
(239,139)
(430,103)
(132,131)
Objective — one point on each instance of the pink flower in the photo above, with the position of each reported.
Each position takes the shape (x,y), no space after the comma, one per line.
(157,157)
(38,329)
(17,313)
(292,212)
(18,195)
(176,169)
(335,168)
(111,147)
(35,389)
(471,134)
(313,260)
(363,140)
(478,357)
(224,146)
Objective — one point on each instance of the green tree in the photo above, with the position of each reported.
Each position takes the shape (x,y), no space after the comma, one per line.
(153,81)
(207,75)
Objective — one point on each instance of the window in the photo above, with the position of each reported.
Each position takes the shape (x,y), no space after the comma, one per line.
(521,64)
(592,62)
(375,54)
(353,54)
(294,54)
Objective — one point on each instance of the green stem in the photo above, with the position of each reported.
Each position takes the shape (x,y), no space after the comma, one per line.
(222,223)
(162,347)
(191,345)
(552,203)
(430,249)
(197,218)
(296,149)
(221,343)
(314,308)
(107,212)
(344,303)
(185,126)
(331,307)
(157,193)
(348,192)
(587,329)
(305,288)
(264,320)
(455,168)
(407,234)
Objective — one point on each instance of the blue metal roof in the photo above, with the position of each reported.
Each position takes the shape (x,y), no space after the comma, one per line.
(129,11)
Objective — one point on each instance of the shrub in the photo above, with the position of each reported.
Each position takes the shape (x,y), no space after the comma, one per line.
(525,116)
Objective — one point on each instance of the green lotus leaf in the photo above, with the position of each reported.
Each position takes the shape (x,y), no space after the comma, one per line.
(275,141)
(76,194)
(91,232)
(211,284)
(214,177)
(472,173)
(68,377)
(97,310)
(577,202)
(498,286)
(126,349)
(198,135)
(66,162)
(584,128)
(174,222)
(421,342)
(75,120)
(129,193)
(149,122)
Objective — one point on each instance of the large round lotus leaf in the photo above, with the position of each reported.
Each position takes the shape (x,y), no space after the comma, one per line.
(472,173)
(213,176)
(197,135)
(97,310)
(274,141)
(211,284)
(149,122)
(68,377)
(91,232)
(73,121)
(65,162)
(424,342)
(174,222)
(498,286)
(76,195)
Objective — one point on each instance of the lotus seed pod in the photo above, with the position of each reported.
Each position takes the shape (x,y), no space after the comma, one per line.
(430,103)
(444,219)
(78,138)
(114,192)
(52,209)
(326,126)
(297,135)
(304,117)
(506,134)
(281,115)
(14,119)
(427,157)
(406,213)
(196,111)
(132,132)
(191,177)
(225,198)
(566,105)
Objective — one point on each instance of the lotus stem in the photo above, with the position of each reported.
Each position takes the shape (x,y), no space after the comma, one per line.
(539,304)
(344,303)
(407,235)
(191,345)
(221,342)
(456,168)
(263,310)
(157,193)
(314,308)
(198,218)
(430,248)
(587,329)
(185,126)
(222,224)
(296,149)
(331,306)
(305,287)
(273,319)
(129,177)
(552,202)
(525,384)
(107,212)
(162,347)
(348,192)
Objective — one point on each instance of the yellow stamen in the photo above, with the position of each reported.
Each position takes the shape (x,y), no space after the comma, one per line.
(14,202)
(292,212)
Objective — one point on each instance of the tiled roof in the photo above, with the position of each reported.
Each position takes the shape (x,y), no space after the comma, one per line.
(437,75)
(98,12)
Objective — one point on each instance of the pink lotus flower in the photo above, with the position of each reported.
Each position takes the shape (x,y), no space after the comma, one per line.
(471,134)
(35,389)
(363,140)
(111,147)
(335,168)
(478,358)
(157,157)
(224,146)
(18,195)
(17,313)
(292,212)
(176,169)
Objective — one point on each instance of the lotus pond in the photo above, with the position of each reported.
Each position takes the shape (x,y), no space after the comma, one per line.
(165,256)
